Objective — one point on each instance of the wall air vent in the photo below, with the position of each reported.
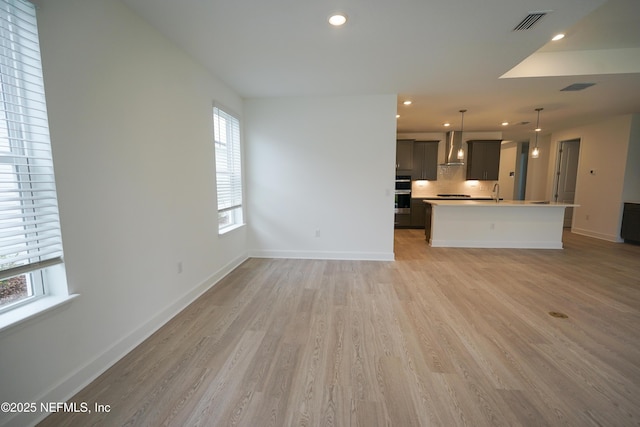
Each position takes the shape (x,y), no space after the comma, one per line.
(529,21)
(576,87)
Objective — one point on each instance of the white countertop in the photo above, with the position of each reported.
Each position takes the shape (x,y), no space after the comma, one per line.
(501,203)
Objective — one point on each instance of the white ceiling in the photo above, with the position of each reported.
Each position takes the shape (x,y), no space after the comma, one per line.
(444,55)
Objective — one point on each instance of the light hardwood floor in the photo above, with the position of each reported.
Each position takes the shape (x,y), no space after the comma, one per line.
(440,337)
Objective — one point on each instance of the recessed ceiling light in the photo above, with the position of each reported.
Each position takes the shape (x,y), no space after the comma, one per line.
(337,19)
(407,102)
(505,123)
(447,124)
(397,116)
(557,37)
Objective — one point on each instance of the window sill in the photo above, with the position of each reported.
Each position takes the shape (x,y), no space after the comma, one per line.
(230,229)
(28,312)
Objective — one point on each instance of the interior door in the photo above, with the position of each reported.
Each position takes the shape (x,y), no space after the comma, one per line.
(567,173)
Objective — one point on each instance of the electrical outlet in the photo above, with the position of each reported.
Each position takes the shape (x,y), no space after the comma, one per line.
(179,267)
(318,232)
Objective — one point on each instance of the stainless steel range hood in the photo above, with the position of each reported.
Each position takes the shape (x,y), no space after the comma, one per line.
(453,143)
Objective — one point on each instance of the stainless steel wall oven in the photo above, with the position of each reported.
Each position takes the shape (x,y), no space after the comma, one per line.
(403,194)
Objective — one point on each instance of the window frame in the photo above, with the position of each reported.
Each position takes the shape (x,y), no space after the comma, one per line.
(30,179)
(228,166)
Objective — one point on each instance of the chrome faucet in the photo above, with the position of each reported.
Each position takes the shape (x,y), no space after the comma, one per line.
(496,192)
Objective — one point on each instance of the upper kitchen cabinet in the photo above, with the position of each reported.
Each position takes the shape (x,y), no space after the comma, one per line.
(404,156)
(483,161)
(425,160)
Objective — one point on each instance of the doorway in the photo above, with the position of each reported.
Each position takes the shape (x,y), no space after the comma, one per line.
(521,171)
(566,176)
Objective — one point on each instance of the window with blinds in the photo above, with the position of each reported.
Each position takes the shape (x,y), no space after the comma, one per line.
(226,129)
(29,226)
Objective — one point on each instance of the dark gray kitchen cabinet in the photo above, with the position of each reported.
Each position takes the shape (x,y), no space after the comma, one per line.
(483,159)
(427,221)
(630,231)
(417,213)
(425,160)
(402,221)
(404,156)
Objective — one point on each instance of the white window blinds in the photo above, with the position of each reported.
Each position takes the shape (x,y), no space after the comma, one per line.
(29,225)
(228,169)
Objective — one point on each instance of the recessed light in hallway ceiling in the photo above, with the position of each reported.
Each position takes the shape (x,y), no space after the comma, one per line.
(337,19)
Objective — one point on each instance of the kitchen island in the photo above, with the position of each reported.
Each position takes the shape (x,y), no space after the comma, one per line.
(491,224)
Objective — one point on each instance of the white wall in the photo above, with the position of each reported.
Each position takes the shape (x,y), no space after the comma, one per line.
(130,119)
(604,147)
(538,171)
(321,165)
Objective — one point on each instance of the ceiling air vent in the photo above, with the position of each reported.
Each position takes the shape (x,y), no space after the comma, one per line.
(576,87)
(529,21)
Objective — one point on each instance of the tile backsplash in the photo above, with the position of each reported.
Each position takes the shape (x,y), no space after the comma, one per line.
(451,180)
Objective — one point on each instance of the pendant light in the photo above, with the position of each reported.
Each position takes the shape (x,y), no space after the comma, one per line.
(536,151)
(461,150)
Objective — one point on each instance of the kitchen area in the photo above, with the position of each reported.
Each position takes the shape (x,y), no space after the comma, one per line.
(452,190)
(437,170)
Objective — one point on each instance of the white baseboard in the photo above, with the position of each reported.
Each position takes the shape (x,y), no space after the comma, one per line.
(495,244)
(596,235)
(329,255)
(84,375)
